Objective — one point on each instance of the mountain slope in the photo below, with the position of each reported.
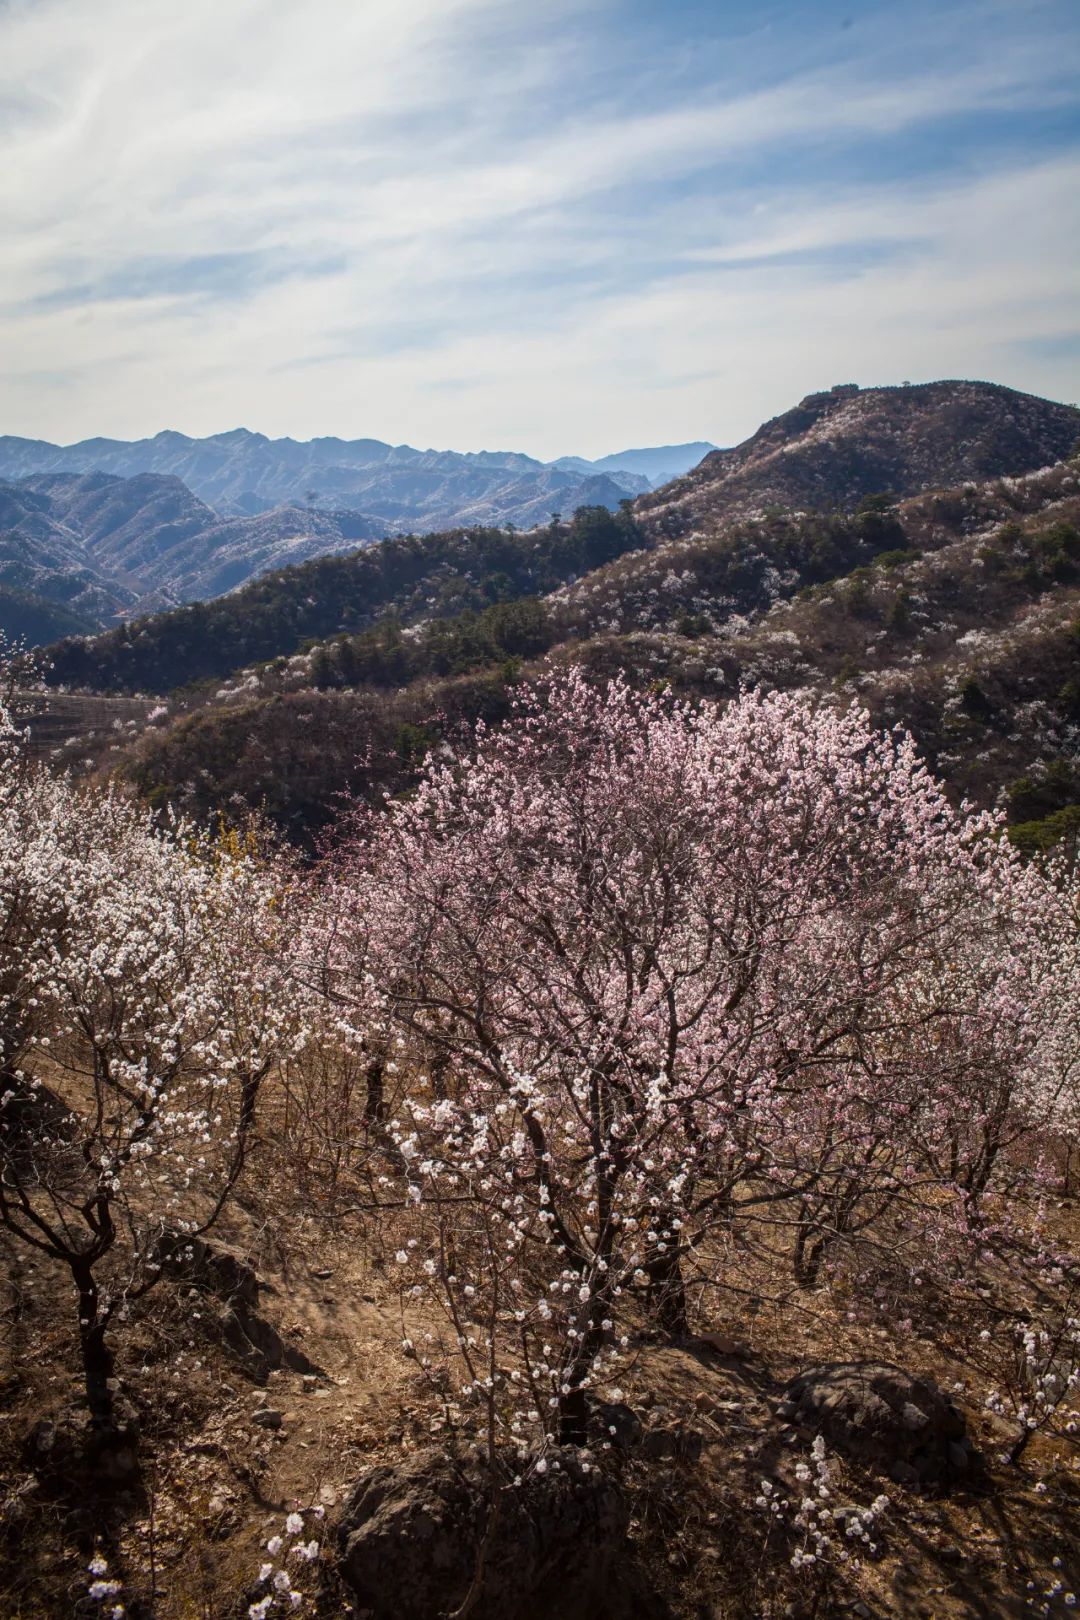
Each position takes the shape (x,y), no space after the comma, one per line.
(410,576)
(106,546)
(33,620)
(955,614)
(43,557)
(833,445)
(835,448)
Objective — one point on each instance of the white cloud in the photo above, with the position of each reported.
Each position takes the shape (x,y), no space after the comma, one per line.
(392,217)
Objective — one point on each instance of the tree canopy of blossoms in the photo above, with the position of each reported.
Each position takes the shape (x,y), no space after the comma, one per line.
(646,977)
(143,1001)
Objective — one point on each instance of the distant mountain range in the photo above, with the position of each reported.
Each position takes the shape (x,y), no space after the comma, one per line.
(657,465)
(396,487)
(104,529)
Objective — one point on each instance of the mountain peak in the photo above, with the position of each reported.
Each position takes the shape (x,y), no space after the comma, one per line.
(836,447)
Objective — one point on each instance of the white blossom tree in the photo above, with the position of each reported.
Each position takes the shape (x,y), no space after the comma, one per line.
(146,995)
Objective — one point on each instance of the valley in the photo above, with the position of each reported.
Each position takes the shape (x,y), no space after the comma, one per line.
(105,531)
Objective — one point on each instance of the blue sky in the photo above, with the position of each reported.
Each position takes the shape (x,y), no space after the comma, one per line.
(564,227)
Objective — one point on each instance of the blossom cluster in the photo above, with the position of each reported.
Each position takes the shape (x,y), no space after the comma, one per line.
(828,1533)
(281,1595)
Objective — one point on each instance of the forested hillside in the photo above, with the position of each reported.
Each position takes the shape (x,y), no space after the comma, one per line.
(411,576)
(954,613)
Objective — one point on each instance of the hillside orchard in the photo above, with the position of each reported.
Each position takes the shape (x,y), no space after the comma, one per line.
(630,1000)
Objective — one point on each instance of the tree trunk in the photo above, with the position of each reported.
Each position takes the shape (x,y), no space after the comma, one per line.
(97,1357)
(573,1427)
(808,1256)
(667,1293)
(573,1418)
(375,1101)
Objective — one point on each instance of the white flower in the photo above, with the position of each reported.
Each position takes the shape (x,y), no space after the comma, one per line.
(294,1524)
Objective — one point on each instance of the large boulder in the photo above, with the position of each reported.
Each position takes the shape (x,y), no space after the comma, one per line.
(418,1537)
(885,1417)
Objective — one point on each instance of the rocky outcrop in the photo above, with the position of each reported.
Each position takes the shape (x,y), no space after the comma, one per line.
(256,1342)
(435,1536)
(884,1417)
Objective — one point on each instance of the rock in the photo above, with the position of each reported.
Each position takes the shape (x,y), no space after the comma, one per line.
(322,1274)
(238,1325)
(913,1418)
(882,1415)
(40,1440)
(724,1344)
(615,1424)
(658,1445)
(267,1417)
(214,1271)
(662,1444)
(259,1345)
(414,1537)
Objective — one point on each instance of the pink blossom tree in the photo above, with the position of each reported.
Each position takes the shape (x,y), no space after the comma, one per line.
(654,975)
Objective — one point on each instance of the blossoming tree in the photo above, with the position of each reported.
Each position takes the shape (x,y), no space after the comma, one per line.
(656,975)
(143,1001)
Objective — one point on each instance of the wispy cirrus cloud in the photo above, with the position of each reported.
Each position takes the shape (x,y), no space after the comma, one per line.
(449,221)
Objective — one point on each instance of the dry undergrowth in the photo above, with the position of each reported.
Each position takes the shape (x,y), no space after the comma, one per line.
(188,1539)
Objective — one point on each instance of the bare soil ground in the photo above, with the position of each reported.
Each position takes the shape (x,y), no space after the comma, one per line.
(188,1536)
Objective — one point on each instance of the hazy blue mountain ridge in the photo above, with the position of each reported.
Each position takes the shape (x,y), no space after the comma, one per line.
(240,472)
